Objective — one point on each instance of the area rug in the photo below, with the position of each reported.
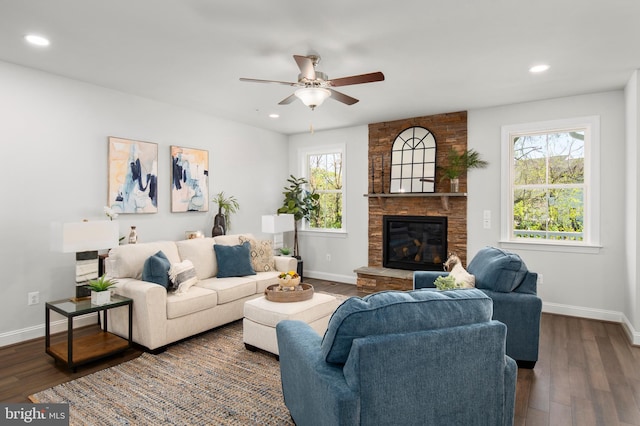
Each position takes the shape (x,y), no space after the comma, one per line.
(210,379)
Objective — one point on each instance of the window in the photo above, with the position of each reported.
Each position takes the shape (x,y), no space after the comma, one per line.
(551,194)
(325,173)
(413,161)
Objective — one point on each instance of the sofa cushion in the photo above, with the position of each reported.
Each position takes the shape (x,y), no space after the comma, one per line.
(195,300)
(392,312)
(200,252)
(231,288)
(156,269)
(233,261)
(230,240)
(127,261)
(261,253)
(497,270)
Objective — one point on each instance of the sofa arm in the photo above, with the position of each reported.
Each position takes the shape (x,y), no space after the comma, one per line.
(315,392)
(149,312)
(426,279)
(286,263)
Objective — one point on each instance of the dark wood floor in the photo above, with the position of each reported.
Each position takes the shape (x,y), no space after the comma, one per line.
(587,373)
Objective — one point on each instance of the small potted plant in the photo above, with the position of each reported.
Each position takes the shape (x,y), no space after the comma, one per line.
(226,206)
(285,251)
(458,163)
(100,293)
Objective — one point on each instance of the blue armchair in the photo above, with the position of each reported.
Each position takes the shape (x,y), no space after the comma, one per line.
(504,277)
(400,358)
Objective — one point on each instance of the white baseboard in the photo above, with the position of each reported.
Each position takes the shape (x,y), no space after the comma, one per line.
(24,334)
(345,279)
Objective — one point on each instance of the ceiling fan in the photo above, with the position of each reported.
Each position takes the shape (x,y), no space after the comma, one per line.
(315,86)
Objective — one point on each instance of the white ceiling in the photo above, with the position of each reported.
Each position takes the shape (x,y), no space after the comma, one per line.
(437,55)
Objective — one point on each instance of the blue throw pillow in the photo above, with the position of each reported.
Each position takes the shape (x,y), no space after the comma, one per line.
(497,270)
(156,269)
(393,312)
(234,261)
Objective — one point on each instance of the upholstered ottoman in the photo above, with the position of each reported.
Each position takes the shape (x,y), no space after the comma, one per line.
(262,315)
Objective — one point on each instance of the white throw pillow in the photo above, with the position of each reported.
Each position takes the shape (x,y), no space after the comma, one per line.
(183,275)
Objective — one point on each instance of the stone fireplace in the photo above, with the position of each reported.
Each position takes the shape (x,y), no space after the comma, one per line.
(449,130)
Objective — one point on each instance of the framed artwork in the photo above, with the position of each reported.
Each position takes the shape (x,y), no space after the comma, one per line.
(133,176)
(189,179)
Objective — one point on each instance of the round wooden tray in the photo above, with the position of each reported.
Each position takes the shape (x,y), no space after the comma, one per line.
(302,292)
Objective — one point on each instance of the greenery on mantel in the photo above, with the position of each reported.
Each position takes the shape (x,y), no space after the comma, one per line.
(458,163)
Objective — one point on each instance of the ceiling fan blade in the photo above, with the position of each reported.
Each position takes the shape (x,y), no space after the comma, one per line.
(254,80)
(357,79)
(341,97)
(306,67)
(288,99)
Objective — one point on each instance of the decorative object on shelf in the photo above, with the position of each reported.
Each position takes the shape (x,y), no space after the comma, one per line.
(133,176)
(288,280)
(299,202)
(133,235)
(189,235)
(84,239)
(222,220)
(277,224)
(100,290)
(189,179)
(459,163)
(285,251)
(300,293)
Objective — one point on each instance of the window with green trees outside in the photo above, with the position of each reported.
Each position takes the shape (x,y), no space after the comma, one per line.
(325,175)
(551,191)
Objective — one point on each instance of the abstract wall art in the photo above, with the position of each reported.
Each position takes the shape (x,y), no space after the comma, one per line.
(189,179)
(133,176)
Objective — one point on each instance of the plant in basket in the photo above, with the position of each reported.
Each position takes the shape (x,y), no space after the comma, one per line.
(288,280)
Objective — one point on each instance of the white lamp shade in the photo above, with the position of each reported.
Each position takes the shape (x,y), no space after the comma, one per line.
(277,223)
(84,236)
(312,96)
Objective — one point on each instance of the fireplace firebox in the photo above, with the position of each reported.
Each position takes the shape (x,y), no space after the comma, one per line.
(415,243)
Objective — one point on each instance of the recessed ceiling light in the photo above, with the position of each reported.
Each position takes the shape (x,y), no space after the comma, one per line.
(539,68)
(37,40)
(274,115)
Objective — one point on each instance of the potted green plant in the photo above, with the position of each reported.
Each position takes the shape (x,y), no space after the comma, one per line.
(226,206)
(299,202)
(458,163)
(285,251)
(100,293)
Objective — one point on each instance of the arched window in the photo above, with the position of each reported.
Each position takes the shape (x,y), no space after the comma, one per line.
(413,161)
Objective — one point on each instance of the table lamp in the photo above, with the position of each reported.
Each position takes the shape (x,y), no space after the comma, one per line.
(277,224)
(85,239)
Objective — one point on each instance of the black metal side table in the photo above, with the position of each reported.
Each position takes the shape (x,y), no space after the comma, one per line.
(81,350)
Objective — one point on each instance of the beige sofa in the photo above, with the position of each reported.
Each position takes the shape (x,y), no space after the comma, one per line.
(161,317)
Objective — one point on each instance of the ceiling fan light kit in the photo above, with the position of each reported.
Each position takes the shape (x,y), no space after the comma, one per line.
(315,87)
(312,96)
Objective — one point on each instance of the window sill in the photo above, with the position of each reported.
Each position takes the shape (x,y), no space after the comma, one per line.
(323,233)
(551,247)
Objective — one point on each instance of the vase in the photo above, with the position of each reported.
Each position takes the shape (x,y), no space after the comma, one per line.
(455,185)
(219,224)
(133,235)
(100,297)
(288,283)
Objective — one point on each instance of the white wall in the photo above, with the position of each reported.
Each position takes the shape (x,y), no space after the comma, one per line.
(54,139)
(591,285)
(348,251)
(632,219)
